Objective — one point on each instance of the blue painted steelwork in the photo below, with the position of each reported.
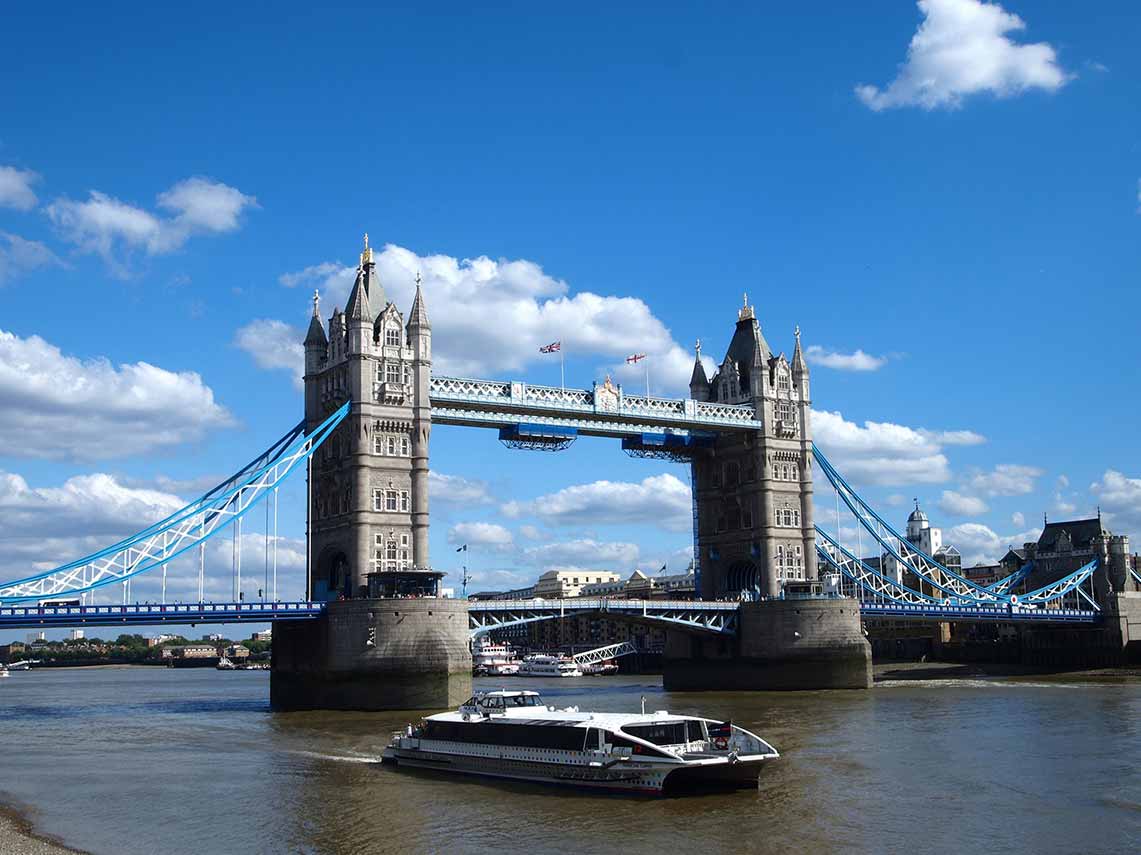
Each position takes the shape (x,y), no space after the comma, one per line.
(537,437)
(25,617)
(188,527)
(986,614)
(601,411)
(691,616)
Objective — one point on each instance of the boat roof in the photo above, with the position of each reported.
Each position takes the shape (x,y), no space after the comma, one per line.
(505,693)
(572,717)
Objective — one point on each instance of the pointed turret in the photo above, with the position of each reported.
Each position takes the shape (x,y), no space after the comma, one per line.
(698,381)
(418,317)
(316,336)
(799,366)
(374,291)
(358,307)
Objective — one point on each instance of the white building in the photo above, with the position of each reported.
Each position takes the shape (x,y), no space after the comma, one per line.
(556,584)
(76,635)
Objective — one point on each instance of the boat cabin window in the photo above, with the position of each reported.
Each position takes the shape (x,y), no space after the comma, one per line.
(523,701)
(695,731)
(667,733)
(560,737)
(593,739)
(617,741)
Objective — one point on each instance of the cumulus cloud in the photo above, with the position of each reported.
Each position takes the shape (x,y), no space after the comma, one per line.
(962,48)
(886,453)
(958,505)
(584,553)
(1017,519)
(1119,497)
(274,345)
(660,500)
(531,308)
(19,256)
(856,361)
(1006,479)
(457,490)
(16,188)
(481,536)
(113,229)
(58,406)
(980,544)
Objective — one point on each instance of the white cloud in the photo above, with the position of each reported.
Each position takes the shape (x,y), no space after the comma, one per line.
(531,532)
(1006,479)
(1119,498)
(57,406)
(661,500)
(883,452)
(481,536)
(16,188)
(274,345)
(857,361)
(457,490)
(895,500)
(962,48)
(956,504)
(530,307)
(1017,519)
(21,256)
(330,277)
(979,544)
(1063,482)
(112,228)
(584,553)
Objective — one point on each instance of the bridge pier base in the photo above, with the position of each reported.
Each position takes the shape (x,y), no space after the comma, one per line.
(376,654)
(780,645)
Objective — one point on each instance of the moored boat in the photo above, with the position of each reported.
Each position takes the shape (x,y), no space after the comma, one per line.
(545,665)
(514,735)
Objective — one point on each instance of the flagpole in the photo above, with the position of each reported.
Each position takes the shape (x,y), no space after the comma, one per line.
(647,378)
(562,368)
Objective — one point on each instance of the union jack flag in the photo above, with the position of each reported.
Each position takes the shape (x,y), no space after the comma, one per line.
(553,347)
(635,358)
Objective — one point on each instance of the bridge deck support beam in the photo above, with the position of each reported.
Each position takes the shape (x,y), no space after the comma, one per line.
(374,654)
(780,645)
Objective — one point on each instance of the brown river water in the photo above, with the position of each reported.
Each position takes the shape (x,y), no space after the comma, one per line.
(151,760)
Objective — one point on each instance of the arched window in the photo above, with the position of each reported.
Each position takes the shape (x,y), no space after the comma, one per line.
(392,336)
(782,381)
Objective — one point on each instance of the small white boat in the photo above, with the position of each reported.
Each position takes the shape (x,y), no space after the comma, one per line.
(494,660)
(224,664)
(3,671)
(22,665)
(543,665)
(514,735)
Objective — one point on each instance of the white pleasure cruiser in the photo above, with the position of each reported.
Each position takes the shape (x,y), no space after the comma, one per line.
(544,665)
(515,735)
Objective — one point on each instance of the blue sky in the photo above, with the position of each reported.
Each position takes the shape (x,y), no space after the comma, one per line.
(943,195)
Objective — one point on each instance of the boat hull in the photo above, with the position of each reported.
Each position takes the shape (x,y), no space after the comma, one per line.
(631,777)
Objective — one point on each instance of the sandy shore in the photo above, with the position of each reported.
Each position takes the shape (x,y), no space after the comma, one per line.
(18,837)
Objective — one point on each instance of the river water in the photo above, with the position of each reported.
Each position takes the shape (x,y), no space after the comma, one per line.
(155,760)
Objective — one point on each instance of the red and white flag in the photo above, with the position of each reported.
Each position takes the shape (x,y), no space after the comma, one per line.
(553,347)
(635,358)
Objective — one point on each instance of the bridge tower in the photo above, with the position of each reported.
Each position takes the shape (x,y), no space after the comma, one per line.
(368,505)
(754,490)
(381,643)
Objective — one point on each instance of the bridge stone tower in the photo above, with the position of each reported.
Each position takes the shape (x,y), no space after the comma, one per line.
(368,507)
(754,490)
(385,641)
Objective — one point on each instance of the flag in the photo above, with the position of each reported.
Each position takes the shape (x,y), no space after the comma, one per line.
(635,358)
(722,730)
(553,347)
(462,548)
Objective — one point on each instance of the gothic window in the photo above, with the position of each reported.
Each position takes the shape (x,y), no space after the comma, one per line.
(404,446)
(403,540)
(731,474)
(780,556)
(392,446)
(390,500)
(784,411)
(392,336)
(392,372)
(782,381)
(390,553)
(378,501)
(734,516)
(403,500)
(747,518)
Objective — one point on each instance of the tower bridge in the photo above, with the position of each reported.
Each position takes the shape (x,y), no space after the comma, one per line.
(370,634)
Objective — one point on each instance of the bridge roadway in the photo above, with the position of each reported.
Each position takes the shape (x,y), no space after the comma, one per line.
(487,615)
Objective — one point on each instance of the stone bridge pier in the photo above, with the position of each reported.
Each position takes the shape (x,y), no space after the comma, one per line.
(791,644)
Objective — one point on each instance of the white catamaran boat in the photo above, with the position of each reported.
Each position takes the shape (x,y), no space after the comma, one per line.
(543,665)
(515,735)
